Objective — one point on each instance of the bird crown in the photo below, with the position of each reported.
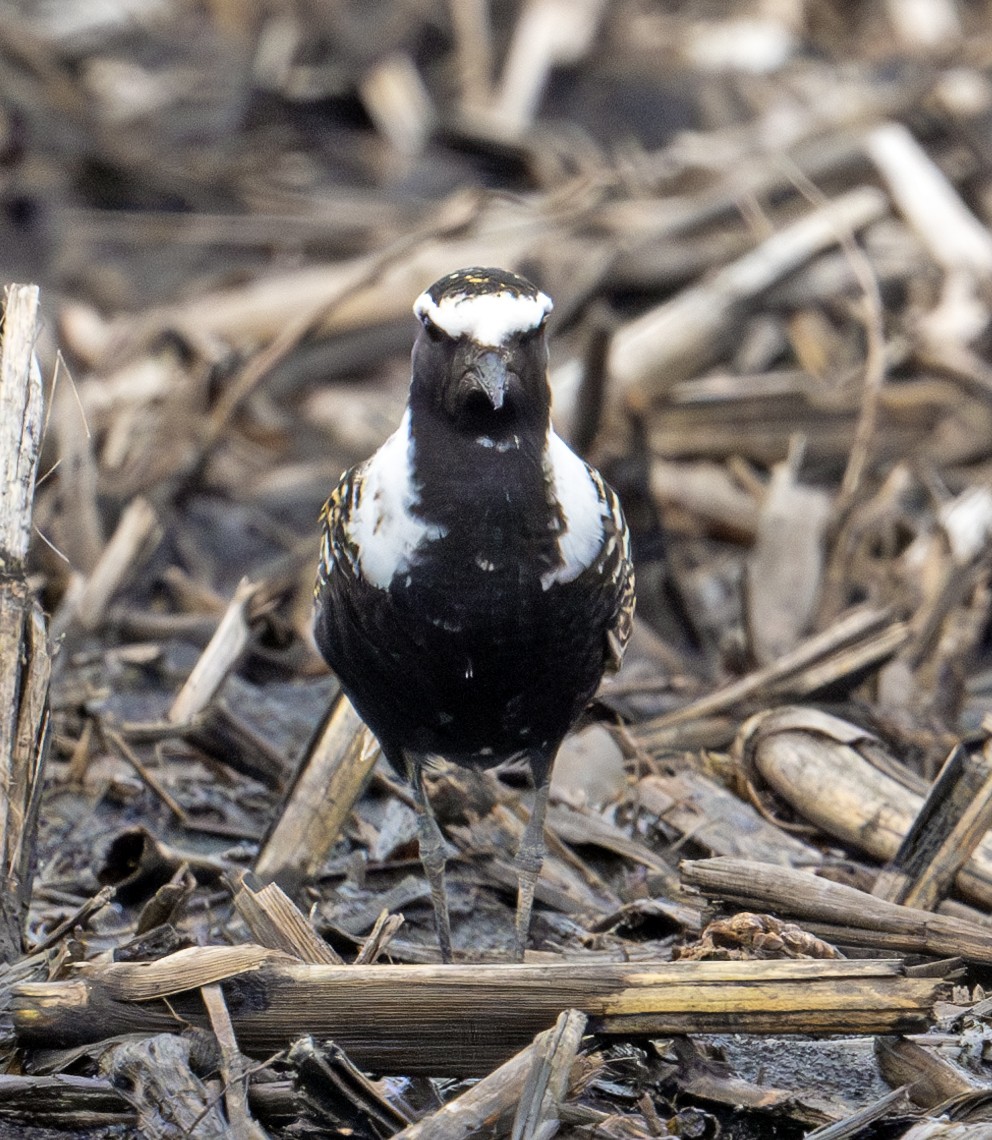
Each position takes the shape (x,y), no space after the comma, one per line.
(486,305)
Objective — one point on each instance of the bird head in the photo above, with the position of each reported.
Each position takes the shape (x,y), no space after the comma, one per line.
(480,359)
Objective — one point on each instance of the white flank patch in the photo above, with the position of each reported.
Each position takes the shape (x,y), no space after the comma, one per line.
(488,318)
(383,528)
(580,502)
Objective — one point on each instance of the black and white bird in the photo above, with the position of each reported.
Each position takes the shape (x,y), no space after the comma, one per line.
(475,578)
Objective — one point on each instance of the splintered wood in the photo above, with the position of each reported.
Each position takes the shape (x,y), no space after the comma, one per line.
(25,663)
(767,231)
(377,1013)
(498,1095)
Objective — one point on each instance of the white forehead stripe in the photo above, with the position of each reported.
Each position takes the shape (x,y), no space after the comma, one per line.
(488,318)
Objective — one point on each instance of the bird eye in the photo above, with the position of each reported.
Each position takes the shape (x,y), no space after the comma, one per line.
(432,330)
(538,330)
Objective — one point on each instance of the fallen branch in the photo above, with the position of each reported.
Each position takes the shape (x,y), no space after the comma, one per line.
(861,637)
(331,777)
(500,1093)
(679,338)
(838,912)
(842,779)
(479,1015)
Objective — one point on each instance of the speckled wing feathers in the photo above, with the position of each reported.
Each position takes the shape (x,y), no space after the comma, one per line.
(336,549)
(615,569)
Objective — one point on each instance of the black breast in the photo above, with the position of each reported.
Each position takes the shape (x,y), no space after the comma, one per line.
(467,654)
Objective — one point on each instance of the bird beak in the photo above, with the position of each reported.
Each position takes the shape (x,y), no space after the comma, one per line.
(489,372)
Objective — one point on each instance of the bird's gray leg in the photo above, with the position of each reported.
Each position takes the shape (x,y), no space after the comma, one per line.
(432,856)
(530,855)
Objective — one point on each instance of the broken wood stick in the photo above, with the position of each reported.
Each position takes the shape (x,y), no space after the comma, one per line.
(155,1077)
(547,1080)
(330,779)
(547,33)
(233,1068)
(930,1078)
(276,922)
(954,237)
(479,1014)
(955,815)
(87,597)
(841,778)
(499,1093)
(785,566)
(858,638)
(695,805)
(25,661)
(838,912)
(472,32)
(222,654)
(679,338)
(859,1122)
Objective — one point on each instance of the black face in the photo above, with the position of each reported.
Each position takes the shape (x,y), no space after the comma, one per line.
(488,391)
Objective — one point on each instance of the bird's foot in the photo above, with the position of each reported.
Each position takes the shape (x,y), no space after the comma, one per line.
(526,883)
(529,861)
(433,858)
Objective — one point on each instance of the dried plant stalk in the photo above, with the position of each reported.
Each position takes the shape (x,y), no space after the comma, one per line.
(275,921)
(954,818)
(478,1018)
(835,774)
(330,780)
(838,912)
(679,338)
(25,663)
(498,1094)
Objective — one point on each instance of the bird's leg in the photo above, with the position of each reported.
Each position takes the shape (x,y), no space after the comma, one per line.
(432,857)
(530,855)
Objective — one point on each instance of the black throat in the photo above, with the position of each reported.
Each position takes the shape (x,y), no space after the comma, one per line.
(486,480)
